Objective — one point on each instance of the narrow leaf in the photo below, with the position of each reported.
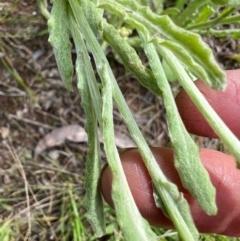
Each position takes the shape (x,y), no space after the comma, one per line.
(234,3)
(225,33)
(85,74)
(219,127)
(133,225)
(191,11)
(186,59)
(94,17)
(129,57)
(176,206)
(193,175)
(59,39)
(154,26)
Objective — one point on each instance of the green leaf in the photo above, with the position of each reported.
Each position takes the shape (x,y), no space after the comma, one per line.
(129,58)
(168,72)
(186,154)
(229,33)
(59,39)
(186,59)
(172,12)
(153,26)
(94,17)
(85,75)
(176,206)
(221,18)
(219,127)
(194,176)
(180,4)
(128,215)
(191,11)
(94,202)
(205,13)
(133,225)
(234,3)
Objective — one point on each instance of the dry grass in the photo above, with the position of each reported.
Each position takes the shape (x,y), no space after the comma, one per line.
(44,199)
(37,197)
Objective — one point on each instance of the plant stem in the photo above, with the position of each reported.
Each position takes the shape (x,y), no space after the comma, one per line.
(228,138)
(159,180)
(172,199)
(133,225)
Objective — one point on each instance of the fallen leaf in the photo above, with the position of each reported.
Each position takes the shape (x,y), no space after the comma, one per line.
(75,133)
(57,137)
(123,141)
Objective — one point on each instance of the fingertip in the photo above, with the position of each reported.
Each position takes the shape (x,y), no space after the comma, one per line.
(226,179)
(106,184)
(141,183)
(223,174)
(226,104)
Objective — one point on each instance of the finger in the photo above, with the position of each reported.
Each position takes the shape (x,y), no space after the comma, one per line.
(224,176)
(226,104)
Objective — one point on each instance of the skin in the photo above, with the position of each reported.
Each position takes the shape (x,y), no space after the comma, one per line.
(226,104)
(221,167)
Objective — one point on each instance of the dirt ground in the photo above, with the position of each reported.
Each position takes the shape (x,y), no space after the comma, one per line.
(34,102)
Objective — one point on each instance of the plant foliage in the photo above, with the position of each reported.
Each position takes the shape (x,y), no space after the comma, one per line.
(169,34)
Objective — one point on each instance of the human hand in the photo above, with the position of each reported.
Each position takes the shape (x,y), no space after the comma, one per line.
(221,167)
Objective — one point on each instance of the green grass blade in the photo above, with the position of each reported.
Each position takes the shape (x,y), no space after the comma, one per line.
(78,227)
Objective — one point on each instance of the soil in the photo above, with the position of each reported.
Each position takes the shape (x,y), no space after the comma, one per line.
(34,101)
